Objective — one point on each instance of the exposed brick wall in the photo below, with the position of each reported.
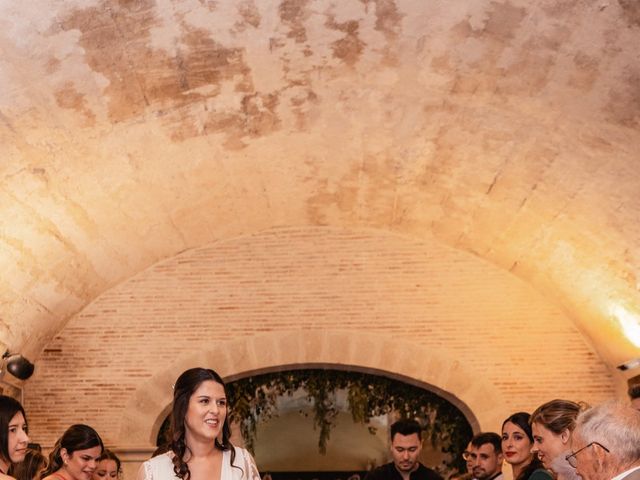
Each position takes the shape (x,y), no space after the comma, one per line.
(310,280)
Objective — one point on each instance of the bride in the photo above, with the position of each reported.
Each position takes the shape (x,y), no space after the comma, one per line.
(199,448)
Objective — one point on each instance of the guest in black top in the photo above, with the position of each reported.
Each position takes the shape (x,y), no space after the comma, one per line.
(406,445)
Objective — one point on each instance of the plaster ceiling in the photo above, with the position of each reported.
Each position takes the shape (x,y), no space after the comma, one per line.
(134,130)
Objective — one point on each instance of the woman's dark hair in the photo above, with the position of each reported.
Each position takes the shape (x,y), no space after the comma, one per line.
(8,408)
(522,421)
(28,469)
(77,437)
(185,386)
(109,455)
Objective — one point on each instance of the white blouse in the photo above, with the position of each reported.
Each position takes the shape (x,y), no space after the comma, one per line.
(161,467)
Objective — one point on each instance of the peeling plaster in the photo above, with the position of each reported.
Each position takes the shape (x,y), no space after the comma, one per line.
(500,127)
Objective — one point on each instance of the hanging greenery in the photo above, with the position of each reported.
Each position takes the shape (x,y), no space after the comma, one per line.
(253,400)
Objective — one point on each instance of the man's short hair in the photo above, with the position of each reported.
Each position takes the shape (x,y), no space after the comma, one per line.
(488,437)
(634,391)
(614,425)
(406,427)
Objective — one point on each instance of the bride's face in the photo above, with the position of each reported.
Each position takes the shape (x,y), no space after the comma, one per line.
(206,412)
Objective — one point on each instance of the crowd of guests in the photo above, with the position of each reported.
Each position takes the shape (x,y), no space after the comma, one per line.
(77,455)
(199,449)
(560,440)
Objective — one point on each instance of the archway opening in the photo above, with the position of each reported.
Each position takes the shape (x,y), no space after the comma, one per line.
(328,423)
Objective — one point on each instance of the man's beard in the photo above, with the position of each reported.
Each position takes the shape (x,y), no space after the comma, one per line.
(407,467)
(482,475)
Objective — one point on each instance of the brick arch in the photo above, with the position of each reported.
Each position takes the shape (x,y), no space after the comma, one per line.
(480,401)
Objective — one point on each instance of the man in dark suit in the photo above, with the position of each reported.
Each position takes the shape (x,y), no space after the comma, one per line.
(606,443)
(406,445)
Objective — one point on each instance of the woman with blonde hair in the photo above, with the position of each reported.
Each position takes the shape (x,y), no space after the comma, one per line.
(552,425)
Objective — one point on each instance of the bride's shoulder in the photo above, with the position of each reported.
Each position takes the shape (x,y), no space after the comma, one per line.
(159,467)
(247,464)
(162,459)
(241,453)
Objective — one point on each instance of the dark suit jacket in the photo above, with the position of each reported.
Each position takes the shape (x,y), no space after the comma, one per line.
(390,472)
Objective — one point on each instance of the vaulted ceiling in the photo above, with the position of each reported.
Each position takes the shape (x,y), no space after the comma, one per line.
(132,130)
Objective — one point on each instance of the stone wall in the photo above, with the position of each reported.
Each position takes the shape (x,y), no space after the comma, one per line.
(310,296)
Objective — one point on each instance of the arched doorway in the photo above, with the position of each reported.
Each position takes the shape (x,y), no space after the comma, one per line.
(330,423)
(481,401)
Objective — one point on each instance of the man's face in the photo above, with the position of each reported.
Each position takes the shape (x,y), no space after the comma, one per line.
(405,450)
(586,464)
(485,461)
(468,458)
(635,403)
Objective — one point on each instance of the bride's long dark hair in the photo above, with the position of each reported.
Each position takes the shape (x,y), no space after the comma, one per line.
(186,385)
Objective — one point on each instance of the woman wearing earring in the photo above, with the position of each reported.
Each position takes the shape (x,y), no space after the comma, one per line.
(517,441)
(199,447)
(13,434)
(552,425)
(75,454)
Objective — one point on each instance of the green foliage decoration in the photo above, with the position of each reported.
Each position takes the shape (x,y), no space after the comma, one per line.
(253,400)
